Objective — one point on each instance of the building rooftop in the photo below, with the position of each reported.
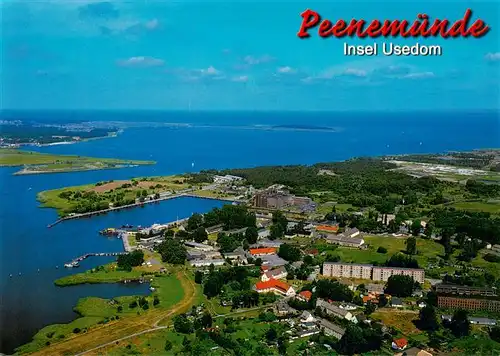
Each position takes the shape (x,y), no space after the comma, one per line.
(401,343)
(400,268)
(457,286)
(342,238)
(273,283)
(214,261)
(329,228)
(330,307)
(273,260)
(306,294)
(351,264)
(331,326)
(396,301)
(373,287)
(264,250)
(196,244)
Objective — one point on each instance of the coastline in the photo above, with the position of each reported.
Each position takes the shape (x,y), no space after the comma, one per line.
(85,278)
(105,211)
(111,134)
(39,163)
(25,171)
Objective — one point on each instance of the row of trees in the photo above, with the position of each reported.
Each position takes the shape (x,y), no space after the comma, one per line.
(129,260)
(475,225)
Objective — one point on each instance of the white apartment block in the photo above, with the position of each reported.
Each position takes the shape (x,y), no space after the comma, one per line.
(375,273)
(383,273)
(347,270)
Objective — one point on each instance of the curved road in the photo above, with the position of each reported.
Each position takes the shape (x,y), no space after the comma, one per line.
(160,328)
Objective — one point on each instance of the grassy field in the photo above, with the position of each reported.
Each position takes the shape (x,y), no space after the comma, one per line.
(326,208)
(66,200)
(402,321)
(492,207)
(99,323)
(475,344)
(110,274)
(48,163)
(426,250)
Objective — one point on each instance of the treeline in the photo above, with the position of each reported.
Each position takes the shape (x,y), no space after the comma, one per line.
(476,225)
(361,182)
(229,216)
(482,189)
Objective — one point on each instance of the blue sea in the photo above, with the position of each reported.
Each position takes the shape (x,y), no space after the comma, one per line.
(30,251)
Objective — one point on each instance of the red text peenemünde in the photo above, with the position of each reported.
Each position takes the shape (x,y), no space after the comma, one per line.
(421,27)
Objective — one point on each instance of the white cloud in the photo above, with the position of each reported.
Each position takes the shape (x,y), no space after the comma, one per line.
(151,25)
(241,78)
(286,69)
(252,60)
(210,71)
(493,56)
(141,62)
(419,75)
(355,72)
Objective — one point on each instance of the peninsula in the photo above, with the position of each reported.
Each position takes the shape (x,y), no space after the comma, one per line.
(37,163)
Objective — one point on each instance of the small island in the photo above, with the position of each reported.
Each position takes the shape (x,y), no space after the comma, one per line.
(304,128)
(37,163)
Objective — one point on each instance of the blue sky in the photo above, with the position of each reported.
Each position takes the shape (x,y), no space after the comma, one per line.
(233,55)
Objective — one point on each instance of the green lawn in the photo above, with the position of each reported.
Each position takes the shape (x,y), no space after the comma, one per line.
(487,206)
(168,289)
(110,274)
(426,249)
(491,267)
(93,311)
(475,344)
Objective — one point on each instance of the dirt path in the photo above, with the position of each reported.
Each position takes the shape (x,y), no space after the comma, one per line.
(122,329)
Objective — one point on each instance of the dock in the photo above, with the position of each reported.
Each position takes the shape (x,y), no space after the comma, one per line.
(76,262)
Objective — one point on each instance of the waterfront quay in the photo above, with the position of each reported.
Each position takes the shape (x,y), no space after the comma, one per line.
(165,196)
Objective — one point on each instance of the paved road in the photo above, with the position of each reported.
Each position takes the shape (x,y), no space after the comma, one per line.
(122,339)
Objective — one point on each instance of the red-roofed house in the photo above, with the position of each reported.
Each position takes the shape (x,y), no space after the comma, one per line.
(399,344)
(328,228)
(264,268)
(312,252)
(305,295)
(275,286)
(262,251)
